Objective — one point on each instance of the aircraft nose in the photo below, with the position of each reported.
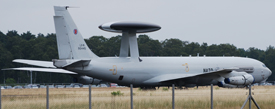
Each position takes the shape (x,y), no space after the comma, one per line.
(270,73)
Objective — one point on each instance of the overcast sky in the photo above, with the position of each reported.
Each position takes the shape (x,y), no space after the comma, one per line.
(246,23)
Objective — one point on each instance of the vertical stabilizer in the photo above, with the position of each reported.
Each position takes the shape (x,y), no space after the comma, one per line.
(70,42)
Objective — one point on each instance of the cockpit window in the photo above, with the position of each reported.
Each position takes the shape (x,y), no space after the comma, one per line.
(264,66)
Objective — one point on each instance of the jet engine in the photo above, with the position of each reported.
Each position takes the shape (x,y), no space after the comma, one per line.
(222,84)
(86,80)
(240,80)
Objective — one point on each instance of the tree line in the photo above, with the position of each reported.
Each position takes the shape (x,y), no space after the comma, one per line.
(44,47)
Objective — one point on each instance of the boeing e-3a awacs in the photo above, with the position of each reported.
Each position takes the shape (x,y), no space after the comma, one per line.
(76,58)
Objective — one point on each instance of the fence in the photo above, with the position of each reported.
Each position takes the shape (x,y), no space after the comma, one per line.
(71,98)
(42,98)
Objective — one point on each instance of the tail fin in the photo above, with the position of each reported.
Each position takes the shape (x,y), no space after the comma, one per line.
(70,42)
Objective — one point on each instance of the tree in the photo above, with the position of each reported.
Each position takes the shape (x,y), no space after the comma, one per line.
(10,81)
(212,50)
(270,60)
(255,53)
(12,33)
(228,50)
(173,47)
(148,46)
(28,35)
(96,44)
(112,45)
(193,48)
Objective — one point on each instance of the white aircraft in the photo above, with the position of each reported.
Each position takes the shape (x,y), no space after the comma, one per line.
(76,58)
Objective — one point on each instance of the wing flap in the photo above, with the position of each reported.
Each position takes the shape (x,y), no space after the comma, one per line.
(52,70)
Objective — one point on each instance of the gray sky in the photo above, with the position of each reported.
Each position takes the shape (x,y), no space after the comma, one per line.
(246,23)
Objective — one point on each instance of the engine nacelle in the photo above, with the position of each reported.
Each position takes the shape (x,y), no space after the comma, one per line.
(86,80)
(240,80)
(222,84)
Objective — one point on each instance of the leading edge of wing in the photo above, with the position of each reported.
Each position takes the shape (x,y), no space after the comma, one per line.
(169,77)
(53,70)
(47,64)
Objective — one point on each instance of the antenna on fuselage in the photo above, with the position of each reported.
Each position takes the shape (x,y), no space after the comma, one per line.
(129,38)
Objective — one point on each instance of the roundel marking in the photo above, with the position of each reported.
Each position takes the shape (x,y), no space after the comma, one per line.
(114,69)
(186,67)
(75,31)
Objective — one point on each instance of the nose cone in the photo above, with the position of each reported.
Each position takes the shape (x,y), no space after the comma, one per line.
(270,73)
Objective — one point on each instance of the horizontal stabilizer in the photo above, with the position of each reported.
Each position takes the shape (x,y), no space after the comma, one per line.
(48,64)
(53,70)
(60,63)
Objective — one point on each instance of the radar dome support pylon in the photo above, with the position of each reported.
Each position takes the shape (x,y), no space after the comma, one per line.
(129,38)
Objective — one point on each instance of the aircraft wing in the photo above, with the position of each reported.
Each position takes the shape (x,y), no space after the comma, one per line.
(170,77)
(48,64)
(167,77)
(53,70)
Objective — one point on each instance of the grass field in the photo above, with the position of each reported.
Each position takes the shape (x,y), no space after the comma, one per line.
(102,98)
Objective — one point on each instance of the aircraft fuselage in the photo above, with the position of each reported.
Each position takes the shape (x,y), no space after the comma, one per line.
(123,71)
